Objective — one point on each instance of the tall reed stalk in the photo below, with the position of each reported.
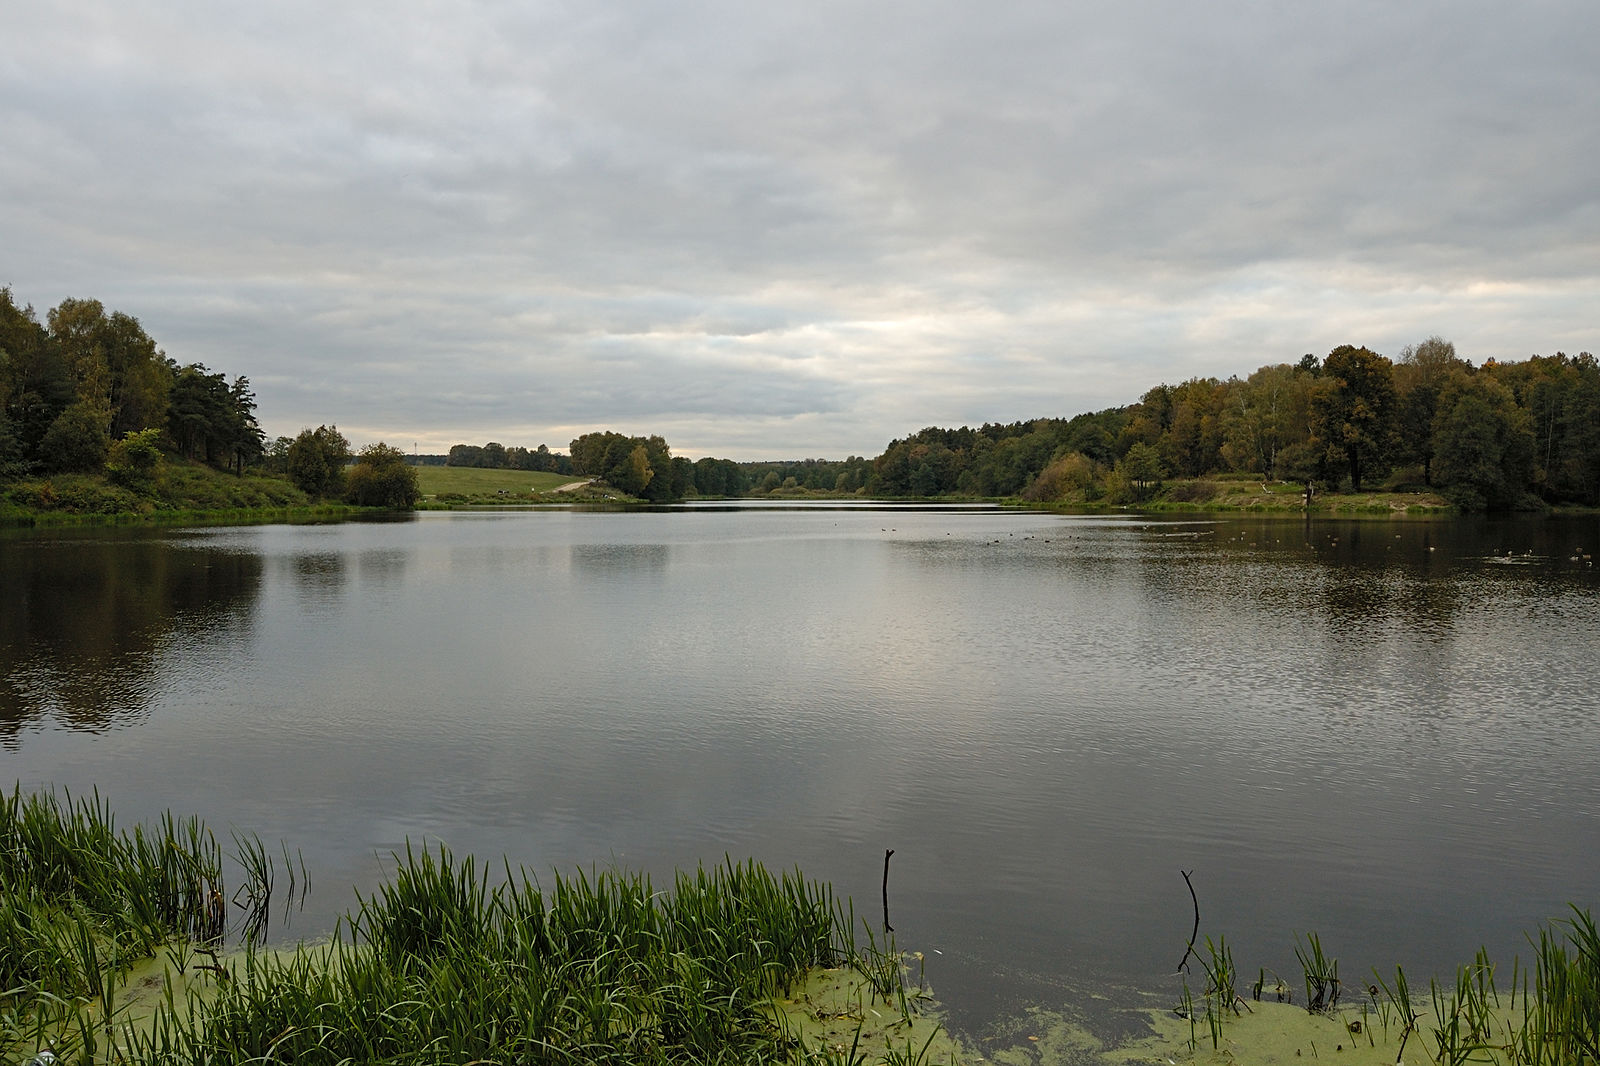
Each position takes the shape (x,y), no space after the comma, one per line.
(80,900)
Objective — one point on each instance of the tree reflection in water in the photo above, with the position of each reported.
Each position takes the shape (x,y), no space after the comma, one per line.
(84,620)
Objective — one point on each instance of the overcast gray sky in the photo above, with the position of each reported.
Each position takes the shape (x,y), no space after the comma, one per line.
(772,230)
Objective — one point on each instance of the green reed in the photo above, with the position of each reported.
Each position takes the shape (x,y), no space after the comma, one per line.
(80,900)
(1559,1020)
(1399,995)
(1185,1009)
(1222,976)
(1550,1018)
(444,964)
(1562,1015)
(1221,994)
(1322,975)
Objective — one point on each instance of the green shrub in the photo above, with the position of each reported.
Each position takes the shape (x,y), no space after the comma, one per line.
(381,477)
(135,460)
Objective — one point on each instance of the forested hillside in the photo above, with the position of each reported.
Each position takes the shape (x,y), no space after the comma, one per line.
(87,390)
(93,414)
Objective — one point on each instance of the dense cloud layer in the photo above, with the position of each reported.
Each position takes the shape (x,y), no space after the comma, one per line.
(799,231)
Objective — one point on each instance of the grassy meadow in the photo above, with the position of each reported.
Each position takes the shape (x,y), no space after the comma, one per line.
(468,481)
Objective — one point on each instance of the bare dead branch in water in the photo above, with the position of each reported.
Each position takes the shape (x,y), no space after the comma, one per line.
(1183,963)
(886,926)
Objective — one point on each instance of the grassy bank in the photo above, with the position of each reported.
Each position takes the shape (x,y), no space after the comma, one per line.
(1231,493)
(1287,496)
(1252,495)
(183,492)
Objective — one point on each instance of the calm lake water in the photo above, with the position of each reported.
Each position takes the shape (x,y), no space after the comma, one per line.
(1386,733)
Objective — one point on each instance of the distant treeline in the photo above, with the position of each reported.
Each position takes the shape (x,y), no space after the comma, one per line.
(645,467)
(1501,435)
(1498,436)
(496,456)
(638,466)
(812,475)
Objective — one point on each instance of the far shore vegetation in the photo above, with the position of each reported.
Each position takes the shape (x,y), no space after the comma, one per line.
(1354,433)
(125,945)
(97,424)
